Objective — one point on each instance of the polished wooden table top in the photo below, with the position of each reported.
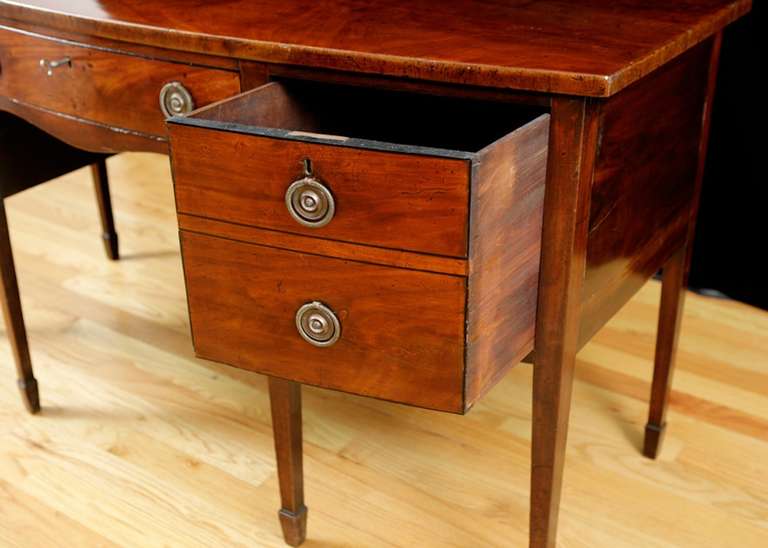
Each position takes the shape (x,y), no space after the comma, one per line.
(586,47)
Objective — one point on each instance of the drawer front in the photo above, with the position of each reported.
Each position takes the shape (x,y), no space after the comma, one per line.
(401,331)
(395,200)
(115,89)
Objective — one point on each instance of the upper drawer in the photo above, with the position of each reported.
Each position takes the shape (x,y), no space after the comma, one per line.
(116,89)
(382,168)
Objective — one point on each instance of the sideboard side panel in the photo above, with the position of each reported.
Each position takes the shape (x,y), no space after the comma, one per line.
(645,183)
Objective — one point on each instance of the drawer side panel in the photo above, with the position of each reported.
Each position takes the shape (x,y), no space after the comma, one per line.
(505,245)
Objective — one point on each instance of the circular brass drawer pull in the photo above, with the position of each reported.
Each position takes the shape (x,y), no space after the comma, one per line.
(309,201)
(317,324)
(175,100)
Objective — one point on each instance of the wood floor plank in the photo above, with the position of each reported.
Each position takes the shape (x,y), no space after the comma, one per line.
(141,444)
(26,521)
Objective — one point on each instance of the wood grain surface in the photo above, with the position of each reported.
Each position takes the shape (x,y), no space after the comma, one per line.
(397,164)
(402,331)
(573,141)
(416,203)
(593,47)
(139,443)
(285,404)
(505,245)
(113,89)
(85,134)
(328,248)
(645,182)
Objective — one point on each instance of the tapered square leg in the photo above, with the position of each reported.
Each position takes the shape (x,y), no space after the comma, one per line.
(14,320)
(104,201)
(673,284)
(285,401)
(572,149)
(294,525)
(670,315)
(654,436)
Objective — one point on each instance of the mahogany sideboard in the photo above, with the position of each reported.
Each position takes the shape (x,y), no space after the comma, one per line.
(400,200)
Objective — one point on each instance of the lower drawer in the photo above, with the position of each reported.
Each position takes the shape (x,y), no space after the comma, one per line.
(400,332)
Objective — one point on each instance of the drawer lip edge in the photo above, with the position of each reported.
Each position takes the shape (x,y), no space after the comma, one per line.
(88,121)
(117,50)
(191,224)
(454,409)
(346,142)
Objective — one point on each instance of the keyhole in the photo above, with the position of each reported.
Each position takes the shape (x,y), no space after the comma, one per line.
(307,167)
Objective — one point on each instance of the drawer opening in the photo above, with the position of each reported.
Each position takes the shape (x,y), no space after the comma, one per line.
(365,117)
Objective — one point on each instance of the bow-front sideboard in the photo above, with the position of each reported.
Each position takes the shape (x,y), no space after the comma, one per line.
(400,200)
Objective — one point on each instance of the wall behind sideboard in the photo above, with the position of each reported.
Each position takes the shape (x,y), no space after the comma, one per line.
(731,245)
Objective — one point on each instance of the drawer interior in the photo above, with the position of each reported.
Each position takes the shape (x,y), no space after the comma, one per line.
(366,117)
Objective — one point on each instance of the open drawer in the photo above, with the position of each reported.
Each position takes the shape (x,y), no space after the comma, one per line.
(381,168)
(298,201)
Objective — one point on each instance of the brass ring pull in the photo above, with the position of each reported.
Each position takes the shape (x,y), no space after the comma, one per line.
(309,201)
(317,324)
(175,100)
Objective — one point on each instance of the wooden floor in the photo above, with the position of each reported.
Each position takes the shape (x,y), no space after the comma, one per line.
(140,444)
